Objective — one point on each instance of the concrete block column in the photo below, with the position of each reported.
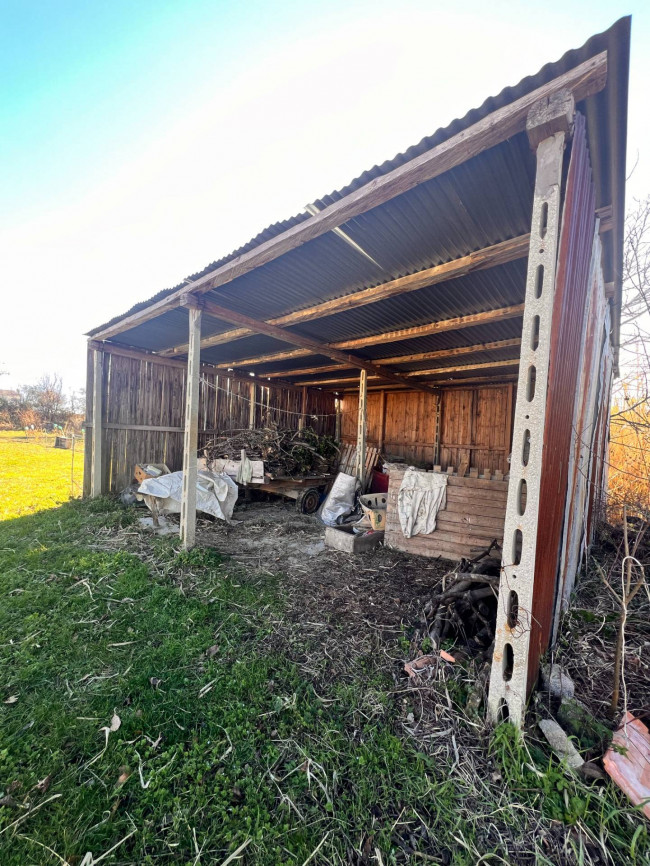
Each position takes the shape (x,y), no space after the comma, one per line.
(549,125)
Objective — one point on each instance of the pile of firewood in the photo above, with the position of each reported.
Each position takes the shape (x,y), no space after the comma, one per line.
(286,453)
(466,605)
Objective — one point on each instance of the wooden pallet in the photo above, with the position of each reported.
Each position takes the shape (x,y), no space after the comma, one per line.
(348,460)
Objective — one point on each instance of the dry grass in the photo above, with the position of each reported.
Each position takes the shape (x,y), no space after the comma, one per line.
(629,457)
(34,475)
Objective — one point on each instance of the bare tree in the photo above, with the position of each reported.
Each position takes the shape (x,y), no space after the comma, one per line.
(46,397)
(635,308)
(77,401)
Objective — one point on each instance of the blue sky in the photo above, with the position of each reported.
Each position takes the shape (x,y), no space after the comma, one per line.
(139,141)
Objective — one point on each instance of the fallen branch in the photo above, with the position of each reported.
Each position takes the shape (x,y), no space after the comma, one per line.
(461,607)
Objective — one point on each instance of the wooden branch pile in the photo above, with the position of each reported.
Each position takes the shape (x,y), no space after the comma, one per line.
(284,452)
(466,605)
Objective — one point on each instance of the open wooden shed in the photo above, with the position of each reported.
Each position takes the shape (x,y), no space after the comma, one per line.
(457,306)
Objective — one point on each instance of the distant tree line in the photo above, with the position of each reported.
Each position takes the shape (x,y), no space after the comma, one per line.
(43,405)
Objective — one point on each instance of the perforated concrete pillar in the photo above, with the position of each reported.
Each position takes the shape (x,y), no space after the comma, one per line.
(549,124)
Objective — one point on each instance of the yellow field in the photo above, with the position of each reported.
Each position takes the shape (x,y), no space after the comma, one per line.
(34,475)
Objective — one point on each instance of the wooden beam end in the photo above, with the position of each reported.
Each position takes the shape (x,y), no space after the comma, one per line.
(550,115)
(192,302)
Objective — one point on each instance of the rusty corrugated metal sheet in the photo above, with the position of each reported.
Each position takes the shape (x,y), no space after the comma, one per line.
(574,258)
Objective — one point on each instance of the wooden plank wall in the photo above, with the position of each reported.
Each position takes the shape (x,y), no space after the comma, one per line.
(475,425)
(141,393)
(146,394)
(473,517)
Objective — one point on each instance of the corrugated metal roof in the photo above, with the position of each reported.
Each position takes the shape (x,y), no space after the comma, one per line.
(485,200)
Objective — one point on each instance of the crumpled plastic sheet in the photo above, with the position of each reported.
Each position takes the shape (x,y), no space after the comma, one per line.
(340,499)
(216,494)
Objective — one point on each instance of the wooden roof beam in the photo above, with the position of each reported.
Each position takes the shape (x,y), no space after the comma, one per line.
(403,359)
(455,324)
(484,365)
(583,80)
(143,355)
(497,254)
(439,371)
(235,318)
(469,382)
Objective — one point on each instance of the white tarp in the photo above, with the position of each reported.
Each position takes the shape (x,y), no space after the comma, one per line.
(340,499)
(420,498)
(216,494)
(233,468)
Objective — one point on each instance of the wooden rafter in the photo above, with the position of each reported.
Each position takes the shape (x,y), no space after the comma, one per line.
(278,333)
(455,324)
(439,371)
(583,80)
(498,254)
(141,355)
(403,359)
(306,371)
(484,365)
(469,382)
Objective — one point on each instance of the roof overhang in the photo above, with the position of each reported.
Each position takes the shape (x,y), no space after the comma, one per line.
(433,254)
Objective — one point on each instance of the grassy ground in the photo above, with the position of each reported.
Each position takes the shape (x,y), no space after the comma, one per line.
(145,712)
(34,475)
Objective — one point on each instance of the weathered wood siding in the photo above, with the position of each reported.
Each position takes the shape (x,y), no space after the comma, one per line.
(144,405)
(475,425)
(473,517)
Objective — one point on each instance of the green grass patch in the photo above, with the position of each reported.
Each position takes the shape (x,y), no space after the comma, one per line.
(221,742)
(34,475)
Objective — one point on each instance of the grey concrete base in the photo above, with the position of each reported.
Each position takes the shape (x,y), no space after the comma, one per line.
(346,540)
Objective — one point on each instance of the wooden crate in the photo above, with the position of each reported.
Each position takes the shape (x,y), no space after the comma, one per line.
(473,517)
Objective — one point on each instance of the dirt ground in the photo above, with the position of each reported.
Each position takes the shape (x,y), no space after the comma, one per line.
(383,586)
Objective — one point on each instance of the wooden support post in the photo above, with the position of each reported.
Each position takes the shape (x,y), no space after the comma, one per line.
(251,406)
(436,444)
(96,487)
(303,408)
(360,466)
(382,420)
(549,124)
(337,434)
(191,442)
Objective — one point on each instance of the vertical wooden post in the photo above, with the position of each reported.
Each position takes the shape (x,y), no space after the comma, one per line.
(96,486)
(549,123)
(191,441)
(252,407)
(360,465)
(337,432)
(508,430)
(382,420)
(303,408)
(436,444)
